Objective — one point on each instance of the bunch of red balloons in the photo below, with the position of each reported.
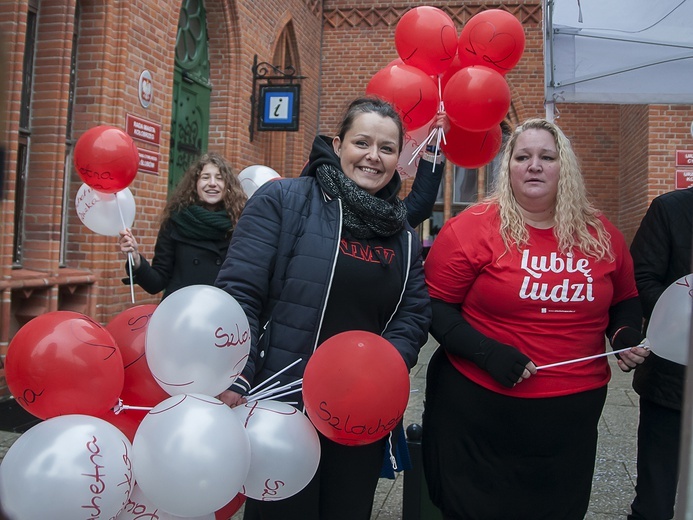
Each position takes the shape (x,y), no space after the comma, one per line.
(107,160)
(464,75)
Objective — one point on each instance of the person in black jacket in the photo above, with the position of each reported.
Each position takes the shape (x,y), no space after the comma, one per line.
(661,253)
(329,252)
(196,227)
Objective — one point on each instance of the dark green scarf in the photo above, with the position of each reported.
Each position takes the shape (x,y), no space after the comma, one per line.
(198,223)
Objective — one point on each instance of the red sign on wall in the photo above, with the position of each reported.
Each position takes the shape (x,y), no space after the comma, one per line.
(149,161)
(684,179)
(684,158)
(143,130)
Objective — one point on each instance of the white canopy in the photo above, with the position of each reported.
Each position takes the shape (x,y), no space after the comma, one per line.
(618,51)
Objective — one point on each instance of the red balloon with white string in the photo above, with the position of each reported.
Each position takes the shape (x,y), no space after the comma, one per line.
(106,158)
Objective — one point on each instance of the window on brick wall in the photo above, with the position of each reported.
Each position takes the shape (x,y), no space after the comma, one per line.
(461,189)
(24,138)
(69,144)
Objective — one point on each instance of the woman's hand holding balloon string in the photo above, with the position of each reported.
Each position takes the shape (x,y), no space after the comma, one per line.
(128,245)
(231,398)
(629,337)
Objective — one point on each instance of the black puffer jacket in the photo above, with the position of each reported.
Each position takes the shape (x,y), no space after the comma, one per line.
(179,261)
(661,253)
(280,265)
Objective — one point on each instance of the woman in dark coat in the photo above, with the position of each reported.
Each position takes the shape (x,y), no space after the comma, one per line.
(195,231)
(329,252)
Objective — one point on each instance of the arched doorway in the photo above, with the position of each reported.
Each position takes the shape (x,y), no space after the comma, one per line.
(191,91)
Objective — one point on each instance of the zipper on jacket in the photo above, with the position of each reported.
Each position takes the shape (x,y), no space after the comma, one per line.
(404,285)
(334,267)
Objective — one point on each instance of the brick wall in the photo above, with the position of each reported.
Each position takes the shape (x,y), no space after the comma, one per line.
(627,152)
(118,40)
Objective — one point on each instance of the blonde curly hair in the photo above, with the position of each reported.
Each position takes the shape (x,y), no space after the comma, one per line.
(574,213)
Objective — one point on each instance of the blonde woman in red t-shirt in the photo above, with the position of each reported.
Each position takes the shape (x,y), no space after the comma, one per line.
(532,276)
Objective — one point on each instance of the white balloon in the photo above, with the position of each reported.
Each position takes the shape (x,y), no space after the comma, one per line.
(67,467)
(191,455)
(284,449)
(197,341)
(669,329)
(139,507)
(105,213)
(255,176)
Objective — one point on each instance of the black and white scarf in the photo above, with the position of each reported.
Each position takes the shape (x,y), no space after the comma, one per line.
(365,215)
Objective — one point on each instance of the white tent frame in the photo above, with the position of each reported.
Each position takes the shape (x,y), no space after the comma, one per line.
(564,83)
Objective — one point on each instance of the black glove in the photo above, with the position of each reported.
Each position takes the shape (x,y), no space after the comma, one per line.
(626,337)
(505,363)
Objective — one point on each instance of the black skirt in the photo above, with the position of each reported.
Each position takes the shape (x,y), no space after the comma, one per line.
(488,456)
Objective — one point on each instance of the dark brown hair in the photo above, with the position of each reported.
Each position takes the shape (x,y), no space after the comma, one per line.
(367,105)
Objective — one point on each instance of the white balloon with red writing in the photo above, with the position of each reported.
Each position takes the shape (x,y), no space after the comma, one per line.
(139,507)
(105,213)
(669,329)
(67,467)
(191,455)
(197,341)
(255,176)
(284,450)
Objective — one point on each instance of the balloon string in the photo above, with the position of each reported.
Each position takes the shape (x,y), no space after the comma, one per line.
(258,398)
(131,261)
(415,153)
(267,393)
(252,391)
(587,358)
(437,132)
(442,106)
(120,407)
(132,285)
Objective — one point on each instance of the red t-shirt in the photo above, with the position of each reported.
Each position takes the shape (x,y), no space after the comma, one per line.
(551,306)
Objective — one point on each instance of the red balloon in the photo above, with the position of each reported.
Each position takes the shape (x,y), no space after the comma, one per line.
(454,67)
(493,38)
(426,38)
(476,98)
(458,63)
(62,363)
(472,149)
(396,61)
(127,421)
(129,329)
(230,509)
(355,388)
(106,158)
(411,91)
